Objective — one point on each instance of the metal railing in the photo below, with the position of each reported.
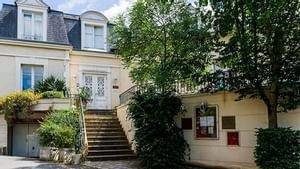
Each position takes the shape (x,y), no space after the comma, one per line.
(82,139)
(179,88)
(83,134)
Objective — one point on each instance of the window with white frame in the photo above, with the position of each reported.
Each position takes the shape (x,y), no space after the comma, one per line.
(33,26)
(31,74)
(94,37)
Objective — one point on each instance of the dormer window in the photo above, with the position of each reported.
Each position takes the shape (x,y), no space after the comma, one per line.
(93,31)
(32,20)
(33,26)
(94,38)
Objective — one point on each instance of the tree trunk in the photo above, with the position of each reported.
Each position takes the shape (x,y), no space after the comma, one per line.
(272,116)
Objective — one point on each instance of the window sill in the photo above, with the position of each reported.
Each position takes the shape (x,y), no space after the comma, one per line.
(94,50)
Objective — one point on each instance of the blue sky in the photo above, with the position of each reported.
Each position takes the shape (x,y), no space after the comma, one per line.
(110,8)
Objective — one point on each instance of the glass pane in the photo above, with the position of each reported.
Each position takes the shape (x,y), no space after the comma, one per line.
(98,31)
(100,86)
(206,122)
(88,83)
(89,29)
(38,74)
(38,27)
(99,42)
(89,41)
(27,26)
(38,18)
(26,77)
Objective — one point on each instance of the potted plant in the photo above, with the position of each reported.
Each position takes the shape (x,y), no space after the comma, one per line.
(84,95)
(58,130)
(77,156)
(46,133)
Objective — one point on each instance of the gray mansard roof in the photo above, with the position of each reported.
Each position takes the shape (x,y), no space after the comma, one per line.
(62,28)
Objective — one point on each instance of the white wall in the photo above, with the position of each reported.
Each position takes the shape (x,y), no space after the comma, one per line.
(250,114)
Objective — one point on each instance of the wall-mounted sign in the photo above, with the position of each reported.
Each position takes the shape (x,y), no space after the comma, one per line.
(206,123)
(233,138)
(228,122)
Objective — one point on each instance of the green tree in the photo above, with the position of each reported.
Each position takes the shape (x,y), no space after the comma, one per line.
(262,53)
(161,41)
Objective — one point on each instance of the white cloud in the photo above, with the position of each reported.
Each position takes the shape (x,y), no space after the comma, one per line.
(118,8)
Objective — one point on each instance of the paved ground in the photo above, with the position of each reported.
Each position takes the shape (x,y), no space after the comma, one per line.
(7,162)
(132,164)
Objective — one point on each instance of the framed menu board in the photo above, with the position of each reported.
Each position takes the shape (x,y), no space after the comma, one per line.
(206,123)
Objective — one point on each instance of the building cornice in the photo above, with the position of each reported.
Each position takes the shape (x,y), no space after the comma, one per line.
(35,44)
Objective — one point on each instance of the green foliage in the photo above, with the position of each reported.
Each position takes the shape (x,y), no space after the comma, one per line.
(18,104)
(260,49)
(278,148)
(160,143)
(51,84)
(52,94)
(84,94)
(59,129)
(162,41)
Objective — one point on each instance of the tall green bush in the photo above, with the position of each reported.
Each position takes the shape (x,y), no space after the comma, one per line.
(278,148)
(59,129)
(160,143)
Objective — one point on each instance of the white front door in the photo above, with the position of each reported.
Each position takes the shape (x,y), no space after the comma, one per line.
(98,89)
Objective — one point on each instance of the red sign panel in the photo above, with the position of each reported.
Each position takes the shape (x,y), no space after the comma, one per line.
(233,138)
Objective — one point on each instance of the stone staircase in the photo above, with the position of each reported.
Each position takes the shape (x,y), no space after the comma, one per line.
(106,138)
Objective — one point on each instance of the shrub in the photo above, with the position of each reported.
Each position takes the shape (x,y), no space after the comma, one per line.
(278,148)
(52,94)
(160,143)
(59,129)
(51,84)
(18,104)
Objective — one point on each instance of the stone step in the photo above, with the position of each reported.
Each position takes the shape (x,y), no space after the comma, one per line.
(107,121)
(105,134)
(112,157)
(99,112)
(107,142)
(101,129)
(109,152)
(105,125)
(108,147)
(106,137)
(101,118)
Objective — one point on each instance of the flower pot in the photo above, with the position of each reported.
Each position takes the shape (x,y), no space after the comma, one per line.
(76,159)
(45,153)
(65,155)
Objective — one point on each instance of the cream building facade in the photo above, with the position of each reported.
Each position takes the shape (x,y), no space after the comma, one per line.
(37,42)
(232,144)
